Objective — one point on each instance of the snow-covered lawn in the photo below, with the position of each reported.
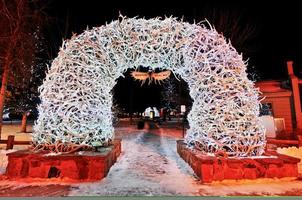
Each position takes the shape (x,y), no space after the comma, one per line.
(3,159)
(294,152)
(14,129)
(259,187)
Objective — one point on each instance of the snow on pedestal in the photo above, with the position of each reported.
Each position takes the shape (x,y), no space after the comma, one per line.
(76,98)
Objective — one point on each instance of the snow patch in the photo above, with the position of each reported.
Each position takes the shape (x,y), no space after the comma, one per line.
(263,187)
(53,154)
(4,160)
(294,152)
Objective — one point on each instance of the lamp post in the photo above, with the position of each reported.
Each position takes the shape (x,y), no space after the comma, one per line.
(182,111)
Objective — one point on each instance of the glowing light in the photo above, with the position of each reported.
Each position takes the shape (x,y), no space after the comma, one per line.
(76,94)
(152,76)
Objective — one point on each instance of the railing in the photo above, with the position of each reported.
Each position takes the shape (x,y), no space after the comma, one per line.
(10,142)
(283,143)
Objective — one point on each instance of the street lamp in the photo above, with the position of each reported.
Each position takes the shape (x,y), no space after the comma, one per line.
(182,111)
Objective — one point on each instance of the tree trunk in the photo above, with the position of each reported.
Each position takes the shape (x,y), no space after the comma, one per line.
(8,59)
(24,122)
(2,93)
(6,72)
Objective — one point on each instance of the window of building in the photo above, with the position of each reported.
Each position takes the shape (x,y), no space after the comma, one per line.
(266,109)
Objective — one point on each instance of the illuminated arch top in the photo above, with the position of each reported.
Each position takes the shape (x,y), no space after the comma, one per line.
(76,97)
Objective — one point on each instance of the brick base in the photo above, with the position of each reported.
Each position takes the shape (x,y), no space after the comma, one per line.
(83,166)
(211,168)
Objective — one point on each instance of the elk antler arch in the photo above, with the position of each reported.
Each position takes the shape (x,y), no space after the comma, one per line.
(76,97)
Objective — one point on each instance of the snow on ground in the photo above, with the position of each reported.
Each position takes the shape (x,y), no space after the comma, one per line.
(3,160)
(148,165)
(13,128)
(259,187)
(294,152)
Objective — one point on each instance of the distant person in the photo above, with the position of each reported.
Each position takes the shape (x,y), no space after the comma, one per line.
(164,114)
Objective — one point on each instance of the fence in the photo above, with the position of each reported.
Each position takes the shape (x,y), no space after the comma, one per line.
(10,142)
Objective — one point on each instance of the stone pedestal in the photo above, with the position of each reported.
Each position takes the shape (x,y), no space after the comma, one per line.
(78,166)
(211,168)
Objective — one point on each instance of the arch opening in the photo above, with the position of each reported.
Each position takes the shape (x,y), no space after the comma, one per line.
(133,95)
(137,98)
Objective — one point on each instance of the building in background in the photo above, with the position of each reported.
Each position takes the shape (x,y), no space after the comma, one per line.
(281,108)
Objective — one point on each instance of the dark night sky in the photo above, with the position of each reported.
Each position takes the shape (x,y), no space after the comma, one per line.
(278,36)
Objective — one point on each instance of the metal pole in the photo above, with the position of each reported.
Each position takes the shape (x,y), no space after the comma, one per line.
(183,126)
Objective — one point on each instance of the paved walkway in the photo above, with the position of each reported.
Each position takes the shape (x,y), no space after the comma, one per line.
(148,165)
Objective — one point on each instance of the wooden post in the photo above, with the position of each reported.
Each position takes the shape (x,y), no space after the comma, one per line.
(290,68)
(296,94)
(10,142)
(24,121)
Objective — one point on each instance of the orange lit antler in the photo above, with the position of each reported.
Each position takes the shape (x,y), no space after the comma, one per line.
(141,76)
(160,76)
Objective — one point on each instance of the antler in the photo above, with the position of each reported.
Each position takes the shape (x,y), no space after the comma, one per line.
(160,76)
(141,76)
